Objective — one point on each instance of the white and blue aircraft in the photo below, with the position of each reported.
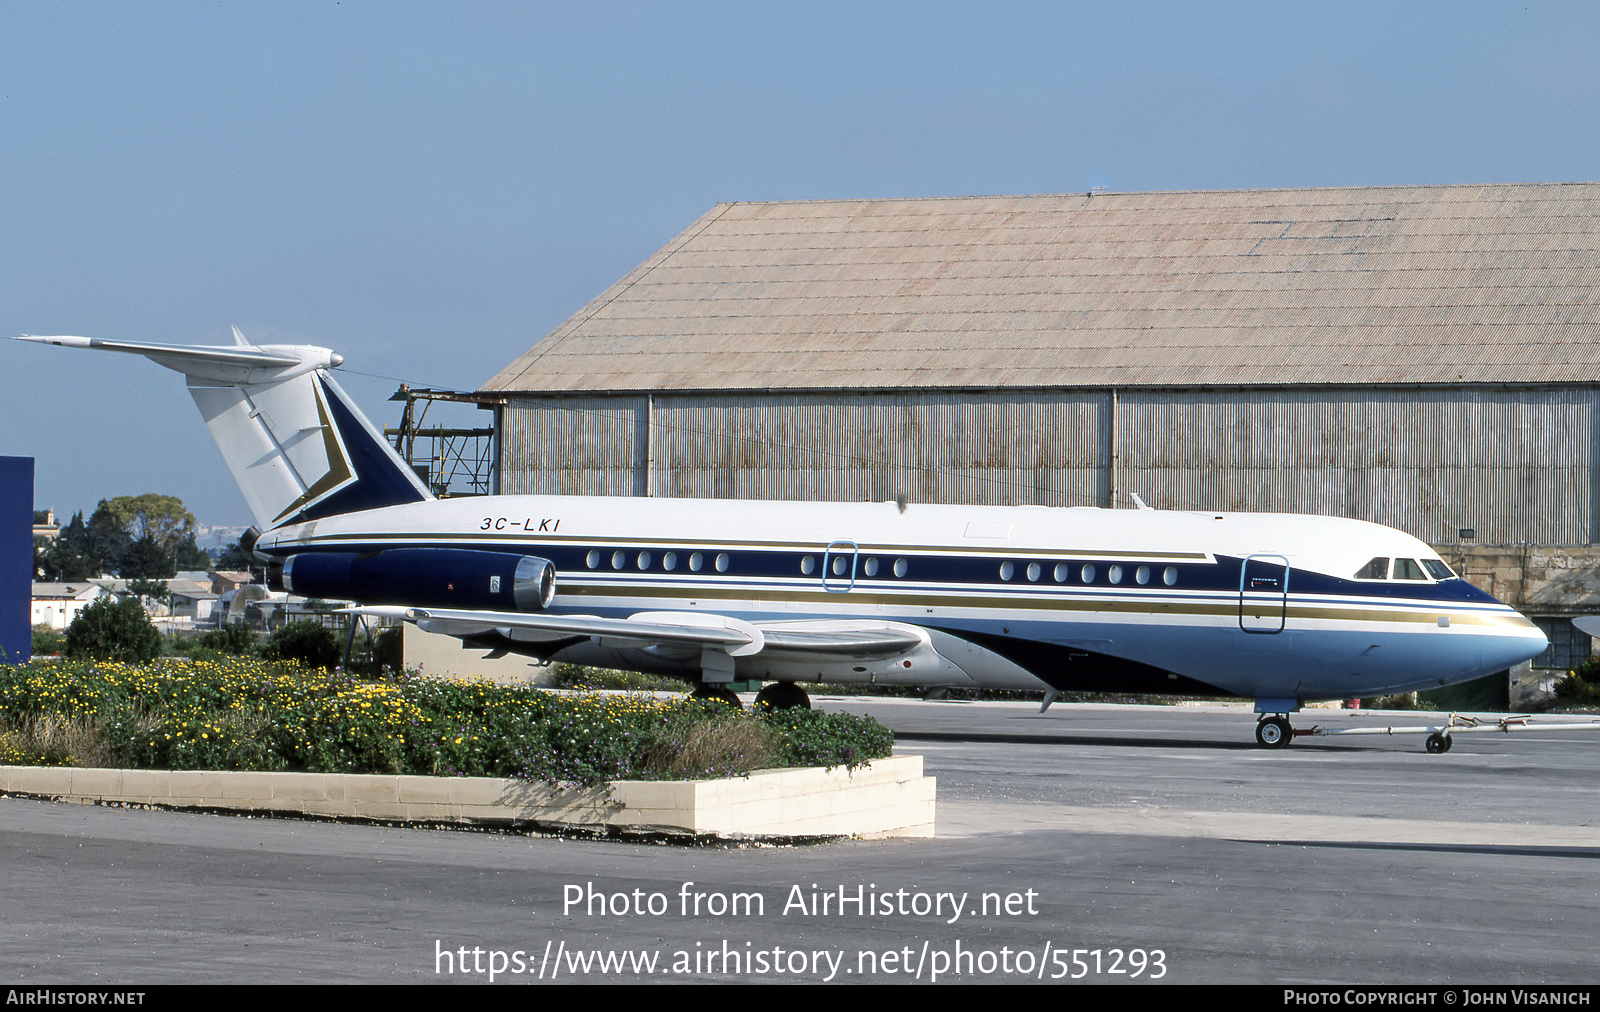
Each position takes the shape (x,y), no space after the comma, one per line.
(1279,608)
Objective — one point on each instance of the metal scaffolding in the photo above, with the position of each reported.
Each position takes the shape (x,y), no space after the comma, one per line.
(450,461)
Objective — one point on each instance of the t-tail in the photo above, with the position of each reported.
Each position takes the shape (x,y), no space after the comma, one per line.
(297,445)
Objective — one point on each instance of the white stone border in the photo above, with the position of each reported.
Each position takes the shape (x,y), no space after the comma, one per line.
(889,797)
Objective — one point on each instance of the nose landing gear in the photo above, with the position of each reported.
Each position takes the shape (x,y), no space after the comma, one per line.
(1273,731)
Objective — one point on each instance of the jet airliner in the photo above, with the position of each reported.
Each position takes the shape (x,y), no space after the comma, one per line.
(1279,608)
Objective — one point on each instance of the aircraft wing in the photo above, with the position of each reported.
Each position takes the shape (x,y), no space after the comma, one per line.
(177,353)
(829,639)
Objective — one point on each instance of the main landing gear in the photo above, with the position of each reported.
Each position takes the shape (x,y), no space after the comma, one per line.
(775,696)
(783,696)
(1273,731)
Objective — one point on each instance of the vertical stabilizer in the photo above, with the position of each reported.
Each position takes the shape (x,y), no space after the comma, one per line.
(296,444)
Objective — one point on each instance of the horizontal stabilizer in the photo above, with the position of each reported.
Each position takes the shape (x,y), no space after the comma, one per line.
(296,444)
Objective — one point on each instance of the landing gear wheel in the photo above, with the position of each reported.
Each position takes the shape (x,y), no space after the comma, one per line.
(783,696)
(1438,743)
(718,693)
(1274,732)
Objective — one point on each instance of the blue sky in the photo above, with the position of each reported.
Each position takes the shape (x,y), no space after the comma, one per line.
(429,188)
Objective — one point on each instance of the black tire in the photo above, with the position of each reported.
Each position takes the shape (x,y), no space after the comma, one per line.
(1438,744)
(783,696)
(1274,732)
(719,693)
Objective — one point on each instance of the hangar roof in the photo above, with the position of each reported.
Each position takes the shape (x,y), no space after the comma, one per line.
(1367,285)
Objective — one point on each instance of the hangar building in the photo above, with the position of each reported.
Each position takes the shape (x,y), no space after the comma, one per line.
(1424,357)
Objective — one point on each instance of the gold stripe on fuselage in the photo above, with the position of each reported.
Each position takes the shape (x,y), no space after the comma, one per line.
(914,599)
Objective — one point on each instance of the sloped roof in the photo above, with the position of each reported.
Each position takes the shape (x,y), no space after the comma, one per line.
(1367,285)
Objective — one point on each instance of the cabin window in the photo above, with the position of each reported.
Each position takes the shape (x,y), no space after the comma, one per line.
(1114,574)
(669,561)
(1169,576)
(1142,575)
(1377,569)
(1034,570)
(900,567)
(1407,569)
(1438,570)
(808,565)
(1007,570)
(870,567)
(644,560)
(593,559)
(1062,572)
(840,564)
(722,562)
(696,561)
(618,559)
(1088,574)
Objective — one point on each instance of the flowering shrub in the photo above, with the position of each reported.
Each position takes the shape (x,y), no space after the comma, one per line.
(245,713)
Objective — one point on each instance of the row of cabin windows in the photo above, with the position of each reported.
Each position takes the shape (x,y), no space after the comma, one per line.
(841,565)
(1115,573)
(871,566)
(669,560)
(1404,569)
(697,561)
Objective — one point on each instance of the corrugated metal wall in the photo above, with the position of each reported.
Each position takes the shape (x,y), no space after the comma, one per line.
(1516,465)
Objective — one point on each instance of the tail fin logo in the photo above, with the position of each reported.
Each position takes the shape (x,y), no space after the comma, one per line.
(340,470)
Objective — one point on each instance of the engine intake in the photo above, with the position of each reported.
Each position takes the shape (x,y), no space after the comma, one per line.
(421,577)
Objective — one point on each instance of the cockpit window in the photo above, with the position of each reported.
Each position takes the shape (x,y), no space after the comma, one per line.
(1437,569)
(1407,569)
(1377,569)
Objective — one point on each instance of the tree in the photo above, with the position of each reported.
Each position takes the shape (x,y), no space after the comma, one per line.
(149,536)
(144,559)
(111,630)
(190,556)
(66,558)
(161,518)
(105,541)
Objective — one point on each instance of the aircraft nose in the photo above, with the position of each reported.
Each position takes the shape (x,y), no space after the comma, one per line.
(1518,641)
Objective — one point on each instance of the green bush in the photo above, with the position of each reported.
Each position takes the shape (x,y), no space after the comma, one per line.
(111,630)
(309,642)
(48,641)
(1582,684)
(233,638)
(246,713)
(815,738)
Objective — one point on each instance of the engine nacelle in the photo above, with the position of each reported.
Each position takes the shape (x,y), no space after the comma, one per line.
(421,577)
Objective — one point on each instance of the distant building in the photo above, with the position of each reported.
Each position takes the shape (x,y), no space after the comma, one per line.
(57,604)
(49,528)
(1424,357)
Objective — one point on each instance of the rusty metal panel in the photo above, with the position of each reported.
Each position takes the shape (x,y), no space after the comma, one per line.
(572,446)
